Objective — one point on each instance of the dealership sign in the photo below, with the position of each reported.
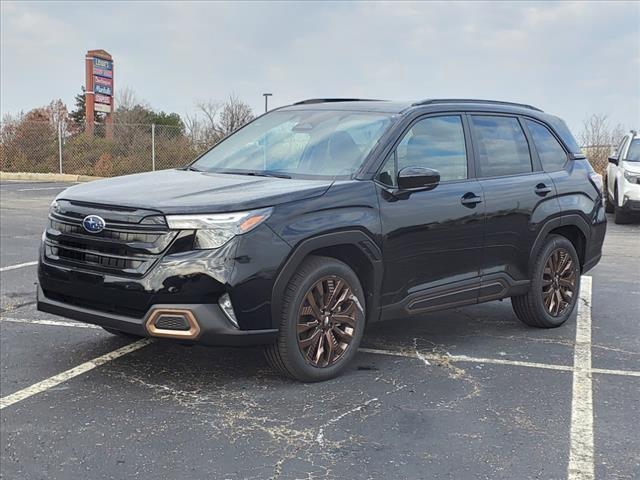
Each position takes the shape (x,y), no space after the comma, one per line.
(99,107)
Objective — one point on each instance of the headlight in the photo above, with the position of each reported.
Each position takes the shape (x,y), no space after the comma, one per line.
(54,207)
(632,177)
(216,229)
(596,179)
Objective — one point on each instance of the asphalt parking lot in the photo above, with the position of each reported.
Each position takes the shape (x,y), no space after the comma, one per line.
(467,393)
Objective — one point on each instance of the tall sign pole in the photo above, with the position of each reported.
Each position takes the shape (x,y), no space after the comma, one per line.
(99,92)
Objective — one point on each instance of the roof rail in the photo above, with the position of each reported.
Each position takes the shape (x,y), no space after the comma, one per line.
(334,100)
(471,100)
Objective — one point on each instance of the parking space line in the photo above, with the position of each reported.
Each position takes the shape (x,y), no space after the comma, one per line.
(607,371)
(581,463)
(376,351)
(51,382)
(465,358)
(54,323)
(19,265)
(42,188)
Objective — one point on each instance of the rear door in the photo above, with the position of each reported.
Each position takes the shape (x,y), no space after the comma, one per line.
(518,195)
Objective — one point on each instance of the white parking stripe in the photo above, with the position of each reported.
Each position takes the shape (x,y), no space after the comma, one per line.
(53,323)
(496,361)
(71,373)
(581,465)
(19,265)
(607,371)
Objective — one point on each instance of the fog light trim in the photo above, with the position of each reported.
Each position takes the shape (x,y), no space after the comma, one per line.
(227,307)
(191,334)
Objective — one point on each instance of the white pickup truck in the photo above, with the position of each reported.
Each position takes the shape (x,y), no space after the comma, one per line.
(622,180)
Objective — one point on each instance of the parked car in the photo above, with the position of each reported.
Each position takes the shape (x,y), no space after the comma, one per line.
(318,218)
(622,180)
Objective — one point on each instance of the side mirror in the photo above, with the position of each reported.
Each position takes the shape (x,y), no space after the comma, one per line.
(613,160)
(418,178)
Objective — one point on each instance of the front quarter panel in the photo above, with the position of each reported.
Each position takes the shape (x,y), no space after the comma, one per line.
(347,214)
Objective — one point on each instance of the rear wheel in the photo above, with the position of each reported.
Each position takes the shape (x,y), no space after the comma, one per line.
(322,321)
(554,289)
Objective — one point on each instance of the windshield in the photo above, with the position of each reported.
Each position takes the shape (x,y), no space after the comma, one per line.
(306,143)
(633,155)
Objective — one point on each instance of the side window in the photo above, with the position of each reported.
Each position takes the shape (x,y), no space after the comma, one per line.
(551,153)
(502,146)
(437,143)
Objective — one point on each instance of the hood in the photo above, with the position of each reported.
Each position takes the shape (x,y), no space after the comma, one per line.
(633,167)
(186,191)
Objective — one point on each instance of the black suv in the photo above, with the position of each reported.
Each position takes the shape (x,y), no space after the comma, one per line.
(320,217)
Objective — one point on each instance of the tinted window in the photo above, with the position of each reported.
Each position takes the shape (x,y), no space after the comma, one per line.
(633,155)
(299,142)
(502,146)
(551,153)
(437,143)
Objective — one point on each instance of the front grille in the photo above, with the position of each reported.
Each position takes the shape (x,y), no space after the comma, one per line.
(130,244)
(172,322)
(95,304)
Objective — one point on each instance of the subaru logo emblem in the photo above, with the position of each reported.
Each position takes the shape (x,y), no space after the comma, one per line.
(93,223)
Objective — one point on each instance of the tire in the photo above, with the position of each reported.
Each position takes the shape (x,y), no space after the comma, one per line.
(620,217)
(119,333)
(531,308)
(314,276)
(608,206)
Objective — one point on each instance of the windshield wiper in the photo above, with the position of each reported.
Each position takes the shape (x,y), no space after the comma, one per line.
(193,169)
(256,173)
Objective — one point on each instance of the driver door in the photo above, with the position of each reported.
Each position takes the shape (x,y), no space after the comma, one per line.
(432,239)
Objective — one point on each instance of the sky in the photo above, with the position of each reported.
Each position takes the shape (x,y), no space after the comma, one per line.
(572,59)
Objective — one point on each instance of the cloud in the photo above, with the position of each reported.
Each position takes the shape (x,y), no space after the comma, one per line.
(572,59)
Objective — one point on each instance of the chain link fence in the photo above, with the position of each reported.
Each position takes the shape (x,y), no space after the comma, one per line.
(41,147)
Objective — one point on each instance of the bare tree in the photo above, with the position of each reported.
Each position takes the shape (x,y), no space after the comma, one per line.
(129,109)
(599,139)
(126,98)
(235,114)
(214,120)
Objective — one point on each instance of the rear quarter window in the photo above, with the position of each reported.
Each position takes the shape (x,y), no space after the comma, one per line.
(551,153)
(564,133)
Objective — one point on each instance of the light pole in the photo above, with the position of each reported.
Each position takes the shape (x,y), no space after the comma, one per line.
(266,101)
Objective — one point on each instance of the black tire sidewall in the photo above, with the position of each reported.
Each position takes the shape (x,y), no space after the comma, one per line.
(554,243)
(321,267)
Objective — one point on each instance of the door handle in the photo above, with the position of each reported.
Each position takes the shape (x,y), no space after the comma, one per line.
(542,189)
(470,199)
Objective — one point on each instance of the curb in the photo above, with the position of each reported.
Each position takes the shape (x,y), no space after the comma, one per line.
(46,177)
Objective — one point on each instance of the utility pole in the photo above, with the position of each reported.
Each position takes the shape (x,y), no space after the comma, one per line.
(266,101)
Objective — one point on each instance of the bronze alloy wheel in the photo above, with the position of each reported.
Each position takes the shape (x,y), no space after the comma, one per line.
(558,282)
(327,321)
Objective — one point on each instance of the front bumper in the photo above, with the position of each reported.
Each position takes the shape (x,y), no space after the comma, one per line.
(631,205)
(213,326)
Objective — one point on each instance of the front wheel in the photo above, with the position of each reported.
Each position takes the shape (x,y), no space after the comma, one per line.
(554,288)
(322,321)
